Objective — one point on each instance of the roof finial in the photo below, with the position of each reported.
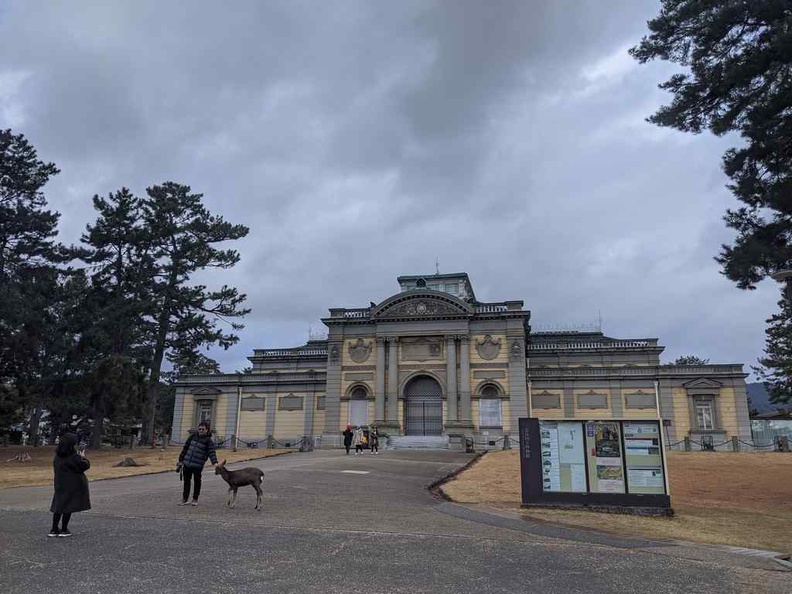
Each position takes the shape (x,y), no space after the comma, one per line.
(437,266)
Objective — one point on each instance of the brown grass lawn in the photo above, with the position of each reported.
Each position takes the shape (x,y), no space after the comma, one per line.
(38,471)
(722,498)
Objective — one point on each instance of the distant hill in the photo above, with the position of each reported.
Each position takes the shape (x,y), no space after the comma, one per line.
(760,400)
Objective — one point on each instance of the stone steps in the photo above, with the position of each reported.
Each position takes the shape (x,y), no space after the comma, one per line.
(435,442)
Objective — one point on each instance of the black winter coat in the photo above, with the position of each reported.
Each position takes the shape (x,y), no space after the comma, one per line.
(196,450)
(347,437)
(71,485)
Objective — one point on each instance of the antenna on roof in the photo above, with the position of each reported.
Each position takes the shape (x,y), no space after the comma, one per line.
(437,266)
(599,320)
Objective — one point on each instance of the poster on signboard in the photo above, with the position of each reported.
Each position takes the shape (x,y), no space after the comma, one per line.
(643,457)
(551,469)
(563,456)
(603,442)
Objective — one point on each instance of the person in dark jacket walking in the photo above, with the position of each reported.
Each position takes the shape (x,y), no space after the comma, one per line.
(71,484)
(347,433)
(374,440)
(193,456)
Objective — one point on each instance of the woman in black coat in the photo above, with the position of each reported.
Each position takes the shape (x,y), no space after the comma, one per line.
(71,484)
(347,433)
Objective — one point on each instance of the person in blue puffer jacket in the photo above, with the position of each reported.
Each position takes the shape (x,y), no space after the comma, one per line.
(193,456)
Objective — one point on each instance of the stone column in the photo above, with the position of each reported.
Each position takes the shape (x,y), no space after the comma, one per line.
(393,381)
(451,379)
(464,380)
(379,386)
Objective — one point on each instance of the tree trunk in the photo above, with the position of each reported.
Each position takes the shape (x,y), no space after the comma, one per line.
(98,416)
(35,420)
(153,388)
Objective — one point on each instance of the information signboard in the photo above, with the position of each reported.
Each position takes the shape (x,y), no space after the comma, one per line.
(563,457)
(615,462)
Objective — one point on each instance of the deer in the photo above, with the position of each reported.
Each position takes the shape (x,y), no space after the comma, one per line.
(240,478)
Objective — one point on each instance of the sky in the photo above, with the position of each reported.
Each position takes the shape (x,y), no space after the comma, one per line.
(364,140)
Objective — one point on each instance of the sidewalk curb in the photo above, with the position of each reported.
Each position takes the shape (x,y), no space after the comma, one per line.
(586,534)
(434,486)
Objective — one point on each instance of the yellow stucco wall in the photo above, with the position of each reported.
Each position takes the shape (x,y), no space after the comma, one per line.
(253,424)
(289,423)
(220,414)
(188,415)
(727,411)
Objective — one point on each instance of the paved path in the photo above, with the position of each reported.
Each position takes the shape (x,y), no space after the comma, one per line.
(325,529)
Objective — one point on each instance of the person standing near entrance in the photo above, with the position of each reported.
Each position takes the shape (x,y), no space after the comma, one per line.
(71,484)
(357,440)
(193,456)
(347,433)
(374,440)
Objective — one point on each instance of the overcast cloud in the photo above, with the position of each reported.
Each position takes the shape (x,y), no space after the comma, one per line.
(362,140)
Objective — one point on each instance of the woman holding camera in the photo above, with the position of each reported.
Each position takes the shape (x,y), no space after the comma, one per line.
(71,484)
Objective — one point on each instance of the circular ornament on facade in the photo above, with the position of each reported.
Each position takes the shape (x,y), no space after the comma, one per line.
(420,307)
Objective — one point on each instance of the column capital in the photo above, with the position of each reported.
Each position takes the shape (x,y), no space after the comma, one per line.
(381,340)
(464,338)
(391,339)
(450,337)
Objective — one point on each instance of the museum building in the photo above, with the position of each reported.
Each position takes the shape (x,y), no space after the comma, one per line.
(433,365)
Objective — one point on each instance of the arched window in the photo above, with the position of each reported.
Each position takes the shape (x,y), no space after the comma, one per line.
(358,393)
(358,406)
(490,407)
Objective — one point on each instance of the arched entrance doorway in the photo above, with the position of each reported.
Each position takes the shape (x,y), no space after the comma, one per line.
(423,407)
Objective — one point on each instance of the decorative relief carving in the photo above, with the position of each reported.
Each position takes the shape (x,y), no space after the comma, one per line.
(360,351)
(517,350)
(420,307)
(421,349)
(334,352)
(488,348)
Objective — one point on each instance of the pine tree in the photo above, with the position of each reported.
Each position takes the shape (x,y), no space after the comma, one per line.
(121,269)
(738,60)
(29,274)
(182,235)
(776,365)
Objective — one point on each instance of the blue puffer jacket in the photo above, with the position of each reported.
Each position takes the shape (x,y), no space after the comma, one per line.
(196,450)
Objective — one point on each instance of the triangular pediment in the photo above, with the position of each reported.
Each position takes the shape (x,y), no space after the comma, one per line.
(702,382)
(421,304)
(206,391)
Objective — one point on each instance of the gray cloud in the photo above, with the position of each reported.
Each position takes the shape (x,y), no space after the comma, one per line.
(360,141)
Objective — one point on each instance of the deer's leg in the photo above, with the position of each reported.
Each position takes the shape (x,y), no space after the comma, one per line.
(259,494)
(230,495)
(233,498)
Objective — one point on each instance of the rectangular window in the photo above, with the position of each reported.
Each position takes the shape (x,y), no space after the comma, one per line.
(490,412)
(704,416)
(452,289)
(204,411)
(358,412)
(434,286)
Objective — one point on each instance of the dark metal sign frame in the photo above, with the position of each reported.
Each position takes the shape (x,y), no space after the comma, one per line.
(533,492)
